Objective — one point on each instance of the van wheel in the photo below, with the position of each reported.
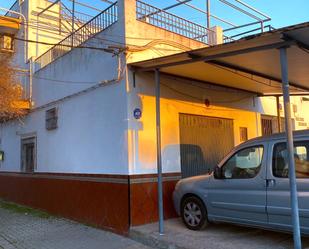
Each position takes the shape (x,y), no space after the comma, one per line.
(193,213)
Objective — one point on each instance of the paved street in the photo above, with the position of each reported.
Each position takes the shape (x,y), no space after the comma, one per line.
(216,236)
(19,230)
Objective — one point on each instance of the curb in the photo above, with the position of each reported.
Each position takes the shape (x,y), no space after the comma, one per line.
(152,241)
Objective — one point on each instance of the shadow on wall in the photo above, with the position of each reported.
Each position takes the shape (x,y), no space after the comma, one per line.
(179,89)
(191,159)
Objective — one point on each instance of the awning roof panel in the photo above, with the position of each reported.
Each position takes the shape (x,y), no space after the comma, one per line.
(216,74)
(250,64)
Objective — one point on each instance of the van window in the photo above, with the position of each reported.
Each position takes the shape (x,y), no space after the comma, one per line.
(301,156)
(246,163)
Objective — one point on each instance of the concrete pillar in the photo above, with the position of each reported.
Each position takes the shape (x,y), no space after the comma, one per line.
(127,15)
(215,35)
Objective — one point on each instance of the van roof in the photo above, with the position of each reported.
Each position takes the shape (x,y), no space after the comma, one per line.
(276,136)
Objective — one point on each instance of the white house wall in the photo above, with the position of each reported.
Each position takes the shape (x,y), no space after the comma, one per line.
(299,113)
(92,132)
(77,70)
(81,143)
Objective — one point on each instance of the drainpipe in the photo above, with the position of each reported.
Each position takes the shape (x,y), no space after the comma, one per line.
(25,46)
(290,148)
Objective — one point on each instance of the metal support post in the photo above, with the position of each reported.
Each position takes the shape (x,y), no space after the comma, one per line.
(208,13)
(159,159)
(73,21)
(31,64)
(290,148)
(278,114)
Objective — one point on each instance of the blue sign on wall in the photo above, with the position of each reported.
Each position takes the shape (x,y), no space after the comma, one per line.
(137,113)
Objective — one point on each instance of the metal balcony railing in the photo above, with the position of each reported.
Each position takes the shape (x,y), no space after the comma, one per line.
(97,24)
(80,18)
(165,20)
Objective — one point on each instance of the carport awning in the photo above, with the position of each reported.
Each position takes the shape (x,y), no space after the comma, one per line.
(250,64)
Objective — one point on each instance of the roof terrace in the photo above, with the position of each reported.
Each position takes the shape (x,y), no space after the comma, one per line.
(165,17)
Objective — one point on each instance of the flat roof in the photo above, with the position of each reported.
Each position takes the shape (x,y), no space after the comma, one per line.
(251,63)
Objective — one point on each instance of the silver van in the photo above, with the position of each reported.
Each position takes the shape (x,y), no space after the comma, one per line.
(250,186)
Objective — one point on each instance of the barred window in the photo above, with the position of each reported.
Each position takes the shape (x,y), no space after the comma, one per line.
(6,42)
(51,119)
(243,134)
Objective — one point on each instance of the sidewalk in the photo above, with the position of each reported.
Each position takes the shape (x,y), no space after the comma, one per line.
(216,236)
(21,230)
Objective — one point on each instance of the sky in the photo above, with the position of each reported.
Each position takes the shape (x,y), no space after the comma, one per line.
(282,12)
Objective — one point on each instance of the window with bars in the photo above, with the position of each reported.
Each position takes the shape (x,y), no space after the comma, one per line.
(270,124)
(267,126)
(243,131)
(6,43)
(51,119)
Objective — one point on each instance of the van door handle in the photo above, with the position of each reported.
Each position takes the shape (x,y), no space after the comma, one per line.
(270,183)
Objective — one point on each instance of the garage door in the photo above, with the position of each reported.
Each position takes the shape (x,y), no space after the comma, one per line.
(204,141)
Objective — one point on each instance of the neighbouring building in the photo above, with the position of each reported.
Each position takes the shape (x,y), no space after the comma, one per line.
(87,149)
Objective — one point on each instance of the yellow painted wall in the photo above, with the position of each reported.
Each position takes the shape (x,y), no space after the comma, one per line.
(49,22)
(142,138)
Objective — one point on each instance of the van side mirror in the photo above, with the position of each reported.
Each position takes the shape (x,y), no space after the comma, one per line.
(218,172)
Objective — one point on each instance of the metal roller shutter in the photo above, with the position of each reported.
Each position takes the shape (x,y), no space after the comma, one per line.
(204,141)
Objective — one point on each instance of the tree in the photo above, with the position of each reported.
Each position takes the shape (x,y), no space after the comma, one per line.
(11,91)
